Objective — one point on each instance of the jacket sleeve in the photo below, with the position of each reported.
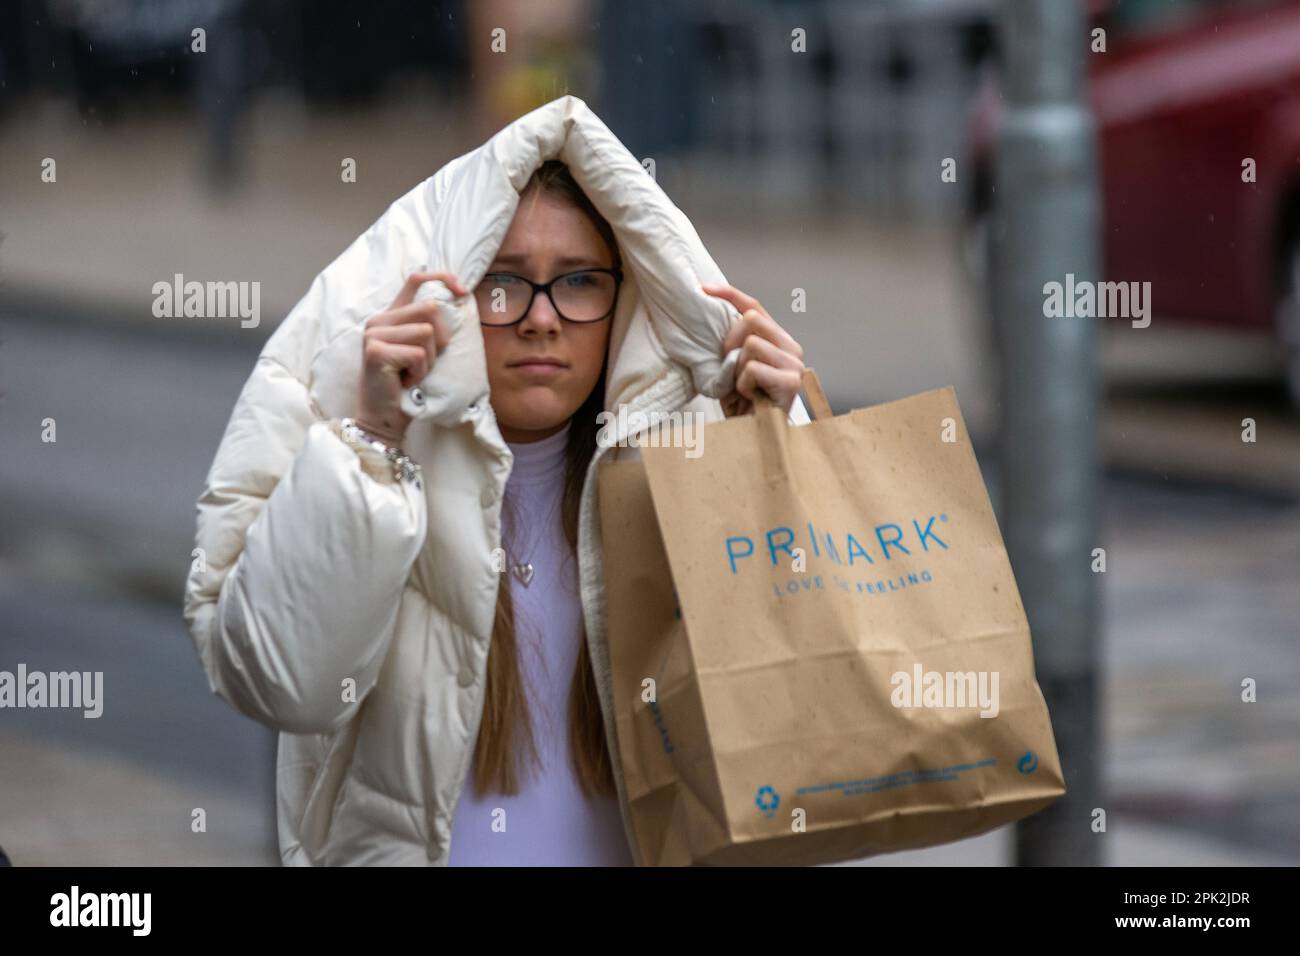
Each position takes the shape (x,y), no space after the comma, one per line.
(304,547)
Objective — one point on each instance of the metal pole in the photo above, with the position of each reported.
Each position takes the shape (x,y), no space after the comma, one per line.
(1045,226)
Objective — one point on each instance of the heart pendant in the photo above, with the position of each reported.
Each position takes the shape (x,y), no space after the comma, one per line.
(524,572)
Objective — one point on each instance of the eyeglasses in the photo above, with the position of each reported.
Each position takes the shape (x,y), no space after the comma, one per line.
(587,295)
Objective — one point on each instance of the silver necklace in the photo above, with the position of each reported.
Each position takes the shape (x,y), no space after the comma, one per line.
(523,570)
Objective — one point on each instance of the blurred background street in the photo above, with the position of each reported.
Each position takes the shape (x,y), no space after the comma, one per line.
(819,173)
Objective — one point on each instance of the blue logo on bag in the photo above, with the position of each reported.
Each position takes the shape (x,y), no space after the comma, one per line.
(884,543)
(768,800)
(1028,763)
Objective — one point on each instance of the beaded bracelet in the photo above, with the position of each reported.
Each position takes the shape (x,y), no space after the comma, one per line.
(404,469)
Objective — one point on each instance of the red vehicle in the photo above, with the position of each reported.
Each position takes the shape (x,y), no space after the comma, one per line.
(1186,94)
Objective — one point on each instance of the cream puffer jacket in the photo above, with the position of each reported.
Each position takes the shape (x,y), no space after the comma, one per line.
(317,565)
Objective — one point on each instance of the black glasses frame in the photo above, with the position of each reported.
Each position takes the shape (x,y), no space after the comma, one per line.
(546,287)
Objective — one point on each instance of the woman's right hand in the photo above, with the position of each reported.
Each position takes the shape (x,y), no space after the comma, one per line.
(401,344)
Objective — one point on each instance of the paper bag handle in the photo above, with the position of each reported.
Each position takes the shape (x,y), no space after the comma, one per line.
(813,393)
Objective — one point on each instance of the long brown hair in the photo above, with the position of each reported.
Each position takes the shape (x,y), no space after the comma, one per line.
(506,735)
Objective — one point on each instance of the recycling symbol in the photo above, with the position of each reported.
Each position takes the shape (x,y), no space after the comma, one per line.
(768,800)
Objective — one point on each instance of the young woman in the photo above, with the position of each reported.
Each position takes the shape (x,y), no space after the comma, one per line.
(342,605)
(541,763)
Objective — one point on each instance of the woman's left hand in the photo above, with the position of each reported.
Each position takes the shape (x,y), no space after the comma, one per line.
(770,359)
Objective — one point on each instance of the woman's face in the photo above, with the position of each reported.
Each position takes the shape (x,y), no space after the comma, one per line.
(547,238)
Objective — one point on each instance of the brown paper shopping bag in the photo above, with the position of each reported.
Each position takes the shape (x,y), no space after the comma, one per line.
(818,648)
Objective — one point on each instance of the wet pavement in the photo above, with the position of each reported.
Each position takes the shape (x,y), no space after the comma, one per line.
(1203,593)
